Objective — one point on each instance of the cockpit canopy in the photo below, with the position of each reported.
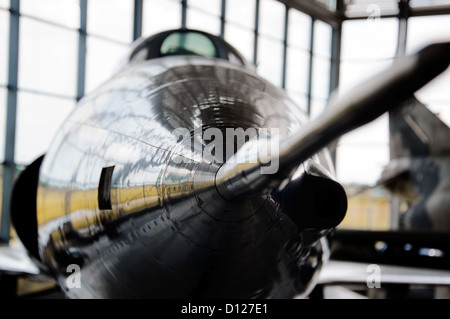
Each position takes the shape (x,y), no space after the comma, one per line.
(185,42)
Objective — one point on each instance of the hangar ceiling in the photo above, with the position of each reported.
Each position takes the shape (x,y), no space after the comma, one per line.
(333,11)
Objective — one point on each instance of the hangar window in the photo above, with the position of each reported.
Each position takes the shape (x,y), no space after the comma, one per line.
(102,58)
(423,31)
(47,58)
(111,19)
(188,43)
(159,16)
(3,124)
(204,15)
(33,115)
(4,46)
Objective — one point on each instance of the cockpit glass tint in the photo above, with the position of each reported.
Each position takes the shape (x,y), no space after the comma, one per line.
(188,43)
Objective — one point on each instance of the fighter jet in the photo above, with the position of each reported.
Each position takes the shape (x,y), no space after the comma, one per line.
(418,172)
(415,252)
(187,175)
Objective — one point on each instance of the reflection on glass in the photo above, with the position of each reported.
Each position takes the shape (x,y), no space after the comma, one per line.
(271,19)
(4,46)
(421,32)
(297,69)
(299,34)
(103,59)
(65,12)
(160,16)
(47,58)
(199,20)
(2,123)
(241,38)
(241,12)
(320,77)
(111,18)
(38,114)
(270,59)
(213,7)
(322,39)
(363,40)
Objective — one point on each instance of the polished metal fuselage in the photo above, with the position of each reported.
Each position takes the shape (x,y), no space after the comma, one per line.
(167,231)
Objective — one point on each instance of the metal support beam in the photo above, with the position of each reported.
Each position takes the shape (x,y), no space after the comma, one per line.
(402,34)
(336,39)
(137,19)
(9,167)
(311,56)
(183,13)
(222,18)
(255,44)
(340,7)
(285,47)
(336,36)
(404,14)
(82,31)
(430,11)
(316,11)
